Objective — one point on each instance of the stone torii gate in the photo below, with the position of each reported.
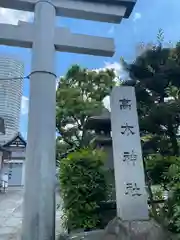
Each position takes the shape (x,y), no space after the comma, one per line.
(45,39)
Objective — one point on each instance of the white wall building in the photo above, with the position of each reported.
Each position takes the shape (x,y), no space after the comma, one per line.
(10,95)
(14,161)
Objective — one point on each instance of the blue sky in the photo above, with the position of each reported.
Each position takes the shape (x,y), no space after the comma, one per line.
(141,27)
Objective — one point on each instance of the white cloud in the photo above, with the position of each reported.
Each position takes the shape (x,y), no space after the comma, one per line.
(57,82)
(24,105)
(111,30)
(115,65)
(13,16)
(119,70)
(137,16)
(120,74)
(106,102)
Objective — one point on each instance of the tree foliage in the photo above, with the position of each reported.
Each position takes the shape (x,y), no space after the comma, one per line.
(173,207)
(79,96)
(157,80)
(83,187)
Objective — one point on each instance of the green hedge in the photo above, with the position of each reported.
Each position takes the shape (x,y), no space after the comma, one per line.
(83,187)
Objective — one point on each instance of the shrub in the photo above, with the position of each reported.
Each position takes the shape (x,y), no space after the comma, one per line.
(157,165)
(83,187)
(174,196)
(169,212)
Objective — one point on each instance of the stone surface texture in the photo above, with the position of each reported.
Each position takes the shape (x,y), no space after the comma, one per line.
(136,230)
(11,214)
(118,230)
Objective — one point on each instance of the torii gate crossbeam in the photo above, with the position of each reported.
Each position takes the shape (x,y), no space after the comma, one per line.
(98,10)
(45,39)
(22,35)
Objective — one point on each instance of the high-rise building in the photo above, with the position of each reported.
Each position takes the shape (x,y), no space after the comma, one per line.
(10,95)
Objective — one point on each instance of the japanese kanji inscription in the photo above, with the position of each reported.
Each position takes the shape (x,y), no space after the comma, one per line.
(130,157)
(131,196)
(127,129)
(125,104)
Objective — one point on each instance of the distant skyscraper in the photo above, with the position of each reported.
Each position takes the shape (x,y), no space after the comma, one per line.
(10,95)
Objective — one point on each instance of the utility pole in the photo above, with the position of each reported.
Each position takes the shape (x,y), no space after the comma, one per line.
(45,39)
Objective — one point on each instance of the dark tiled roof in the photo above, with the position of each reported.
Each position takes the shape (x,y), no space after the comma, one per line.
(18,135)
(99,121)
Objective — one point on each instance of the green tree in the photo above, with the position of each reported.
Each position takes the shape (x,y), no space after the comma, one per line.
(79,96)
(156,75)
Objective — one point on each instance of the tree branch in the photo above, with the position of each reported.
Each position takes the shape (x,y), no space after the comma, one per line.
(78,124)
(68,141)
(151,198)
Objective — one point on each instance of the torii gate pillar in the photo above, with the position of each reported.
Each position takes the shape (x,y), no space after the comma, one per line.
(39,210)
